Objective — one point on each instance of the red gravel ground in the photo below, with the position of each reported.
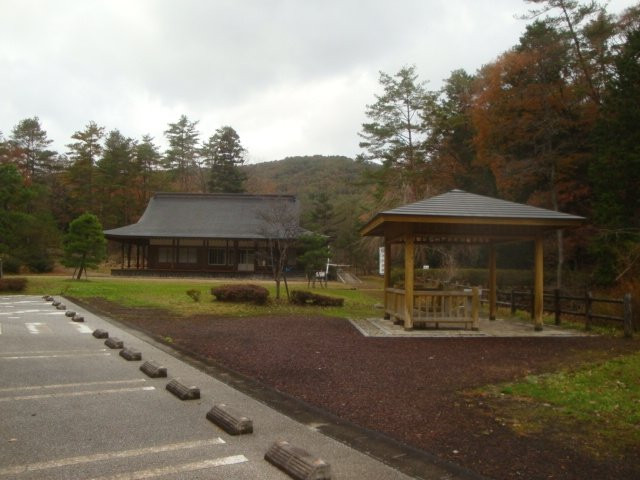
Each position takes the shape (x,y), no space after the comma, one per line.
(411,389)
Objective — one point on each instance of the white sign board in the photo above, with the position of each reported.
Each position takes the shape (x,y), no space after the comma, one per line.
(381,261)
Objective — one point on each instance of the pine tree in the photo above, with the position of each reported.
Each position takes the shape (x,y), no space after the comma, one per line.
(223,154)
(29,148)
(395,135)
(79,177)
(84,244)
(182,154)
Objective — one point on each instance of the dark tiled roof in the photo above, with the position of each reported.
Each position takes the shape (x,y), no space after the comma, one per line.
(457,203)
(204,216)
(462,214)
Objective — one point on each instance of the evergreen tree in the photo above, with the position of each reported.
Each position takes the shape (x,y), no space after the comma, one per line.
(27,236)
(79,177)
(182,154)
(29,148)
(223,154)
(312,254)
(322,215)
(116,177)
(148,160)
(84,244)
(615,171)
(395,135)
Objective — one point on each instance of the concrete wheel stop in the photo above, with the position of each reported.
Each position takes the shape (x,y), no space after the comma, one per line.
(296,462)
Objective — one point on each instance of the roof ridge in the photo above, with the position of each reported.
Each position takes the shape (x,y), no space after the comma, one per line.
(222,195)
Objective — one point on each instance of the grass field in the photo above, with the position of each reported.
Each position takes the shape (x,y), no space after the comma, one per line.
(596,407)
(171,294)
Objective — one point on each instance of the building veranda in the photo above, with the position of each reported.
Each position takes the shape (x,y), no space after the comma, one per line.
(458,217)
(207,234)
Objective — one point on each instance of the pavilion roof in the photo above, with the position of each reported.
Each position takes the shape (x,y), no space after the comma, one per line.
(468,216)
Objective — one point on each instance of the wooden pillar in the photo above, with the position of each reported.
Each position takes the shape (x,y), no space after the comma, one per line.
(408,281)
(538,284)
(387,275)
(493,292)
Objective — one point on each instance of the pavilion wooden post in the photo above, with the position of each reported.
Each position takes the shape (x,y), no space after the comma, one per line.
(538,284)
(493,292)
(408,281)
(387,275)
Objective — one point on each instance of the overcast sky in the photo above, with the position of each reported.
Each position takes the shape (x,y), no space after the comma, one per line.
(292,77)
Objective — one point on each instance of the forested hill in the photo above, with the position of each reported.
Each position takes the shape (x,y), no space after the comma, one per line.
(303,176)
(333,193)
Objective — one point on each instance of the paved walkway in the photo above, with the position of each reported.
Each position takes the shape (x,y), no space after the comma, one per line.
(378,327)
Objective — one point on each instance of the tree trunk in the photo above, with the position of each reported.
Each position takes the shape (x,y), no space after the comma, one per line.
(286,286)
(559,233)
(81,267)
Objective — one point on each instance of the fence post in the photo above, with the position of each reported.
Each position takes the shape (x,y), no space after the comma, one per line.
(533,304)
(628,317)
(513,301)
(556,305)
(587,310)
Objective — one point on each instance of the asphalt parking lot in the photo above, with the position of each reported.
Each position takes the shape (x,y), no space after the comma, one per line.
(72,408)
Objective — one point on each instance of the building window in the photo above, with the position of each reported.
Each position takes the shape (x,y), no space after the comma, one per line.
(165,254)
(187,255)
(245,256)
(246,260)
(218,256)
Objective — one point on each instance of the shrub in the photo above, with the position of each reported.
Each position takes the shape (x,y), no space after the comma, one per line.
(246,293)
(13,284)
(10,264)
(299,297)
(194,294)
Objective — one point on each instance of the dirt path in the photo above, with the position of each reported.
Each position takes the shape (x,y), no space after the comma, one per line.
(416,390)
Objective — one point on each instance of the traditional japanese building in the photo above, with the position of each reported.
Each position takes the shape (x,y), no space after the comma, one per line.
(211,234)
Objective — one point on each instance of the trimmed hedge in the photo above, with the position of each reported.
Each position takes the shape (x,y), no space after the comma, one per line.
(243,293)
(16,284)
(299,297)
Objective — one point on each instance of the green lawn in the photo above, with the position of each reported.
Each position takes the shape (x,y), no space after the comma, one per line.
(599,404)
(171,294)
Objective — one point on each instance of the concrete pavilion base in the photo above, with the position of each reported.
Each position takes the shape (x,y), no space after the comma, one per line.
(378,327)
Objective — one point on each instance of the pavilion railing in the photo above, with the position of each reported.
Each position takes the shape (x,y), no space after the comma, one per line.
(436,308)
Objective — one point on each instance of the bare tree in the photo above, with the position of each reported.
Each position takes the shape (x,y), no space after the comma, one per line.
(280,226)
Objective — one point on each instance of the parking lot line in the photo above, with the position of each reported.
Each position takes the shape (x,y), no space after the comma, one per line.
(36,328)
(71,385)
(173,469)
(55,355)
(82,328)
(53,352)
(98,457)
(76,394)
(21,312)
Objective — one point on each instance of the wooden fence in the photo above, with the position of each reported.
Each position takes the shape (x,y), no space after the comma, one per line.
(436,307)
(576,306)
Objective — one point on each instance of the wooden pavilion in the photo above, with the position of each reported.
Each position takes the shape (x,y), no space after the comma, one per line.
(459,217)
